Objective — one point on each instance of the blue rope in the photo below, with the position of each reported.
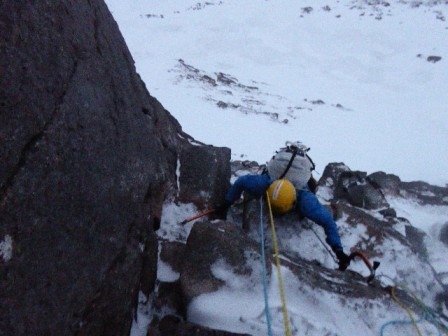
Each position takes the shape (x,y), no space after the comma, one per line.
(265,280)
(394,322)
(425,312)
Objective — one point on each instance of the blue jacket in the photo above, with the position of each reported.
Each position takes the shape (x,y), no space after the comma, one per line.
(307,204)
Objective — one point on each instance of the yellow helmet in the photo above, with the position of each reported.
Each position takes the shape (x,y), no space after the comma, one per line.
(282,196)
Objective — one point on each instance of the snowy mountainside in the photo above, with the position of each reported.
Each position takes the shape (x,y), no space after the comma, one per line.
(361,82)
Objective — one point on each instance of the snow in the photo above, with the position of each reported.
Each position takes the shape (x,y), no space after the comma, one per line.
(383,107)
(6,248)
(393,101)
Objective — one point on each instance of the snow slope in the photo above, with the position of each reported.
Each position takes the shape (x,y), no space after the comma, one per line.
(352,79)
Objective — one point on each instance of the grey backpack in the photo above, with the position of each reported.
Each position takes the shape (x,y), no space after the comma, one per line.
(292,163)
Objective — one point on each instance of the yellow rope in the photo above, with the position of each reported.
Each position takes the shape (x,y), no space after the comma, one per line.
(279,274)
(423,307)
(405,307)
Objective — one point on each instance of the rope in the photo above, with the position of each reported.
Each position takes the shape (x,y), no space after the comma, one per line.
(322,242)
(279,274)
(425,313)
(263,262)
(429,315)
(407,309)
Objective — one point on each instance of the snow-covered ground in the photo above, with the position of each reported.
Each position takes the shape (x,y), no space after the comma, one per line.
(359,84)
(353,80)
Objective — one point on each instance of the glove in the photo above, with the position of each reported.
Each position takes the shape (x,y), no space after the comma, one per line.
(221,210)
(343,260)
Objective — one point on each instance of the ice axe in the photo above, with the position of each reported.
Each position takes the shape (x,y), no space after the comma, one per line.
(198,215)
(372,268)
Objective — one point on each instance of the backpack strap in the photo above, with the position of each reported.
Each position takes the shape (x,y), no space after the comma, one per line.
(313,166)
(294,153)
(294,150)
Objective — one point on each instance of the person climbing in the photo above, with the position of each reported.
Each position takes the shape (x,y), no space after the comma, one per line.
(289,184)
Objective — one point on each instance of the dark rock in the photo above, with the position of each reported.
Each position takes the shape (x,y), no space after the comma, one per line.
(349,284)
(354,186)
(388,213)
(425,193)
(442,299)
(226,79)
(433,59)
(415,238)
(208,243)
(169,299)
(204,175)
(149,266)
(86,161)
(331,173)
(444,234)
(170,252)
(377,229)
(172,325)
(388,183)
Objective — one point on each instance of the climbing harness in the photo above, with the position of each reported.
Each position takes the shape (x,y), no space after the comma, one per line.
(263,263)
(279,273)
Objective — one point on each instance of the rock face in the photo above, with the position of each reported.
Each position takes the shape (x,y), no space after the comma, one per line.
(221,243)
(87,158)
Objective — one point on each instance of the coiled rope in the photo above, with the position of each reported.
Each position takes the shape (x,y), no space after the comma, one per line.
(279,273)
(425,312)
(263,263)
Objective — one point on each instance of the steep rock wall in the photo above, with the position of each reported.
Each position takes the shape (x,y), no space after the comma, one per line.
(87,158)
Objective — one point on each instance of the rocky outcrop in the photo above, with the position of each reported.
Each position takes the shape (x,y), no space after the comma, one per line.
(204,175)
(209,243)
(87,158)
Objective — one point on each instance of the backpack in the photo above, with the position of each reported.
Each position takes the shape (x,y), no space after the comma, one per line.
(292,163)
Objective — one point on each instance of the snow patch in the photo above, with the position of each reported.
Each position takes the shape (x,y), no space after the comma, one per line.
(6,248)
(143,316)
(172,215)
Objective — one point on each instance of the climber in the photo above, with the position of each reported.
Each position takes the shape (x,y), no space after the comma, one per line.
(289,184)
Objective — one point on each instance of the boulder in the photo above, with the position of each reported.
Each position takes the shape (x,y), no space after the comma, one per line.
(355,187)
(217,242)
(204,175)
(388,183)
(331,174)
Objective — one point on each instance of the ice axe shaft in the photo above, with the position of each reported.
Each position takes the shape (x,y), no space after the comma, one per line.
(372,268)
(198,215)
